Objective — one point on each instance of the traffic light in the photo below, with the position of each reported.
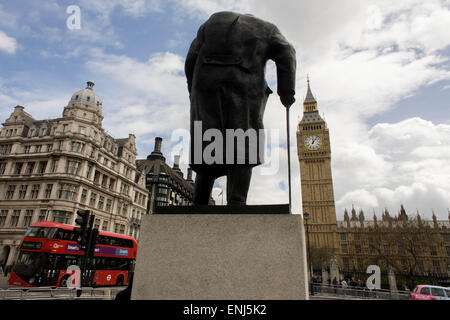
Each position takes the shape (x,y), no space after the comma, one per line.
(92,242)
(82,233)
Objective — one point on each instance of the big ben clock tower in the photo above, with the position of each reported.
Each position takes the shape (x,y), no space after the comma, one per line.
(314,154)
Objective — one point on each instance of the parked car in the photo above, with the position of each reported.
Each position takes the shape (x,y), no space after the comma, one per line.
(427,292)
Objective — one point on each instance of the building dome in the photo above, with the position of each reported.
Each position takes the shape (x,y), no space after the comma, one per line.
(87,96)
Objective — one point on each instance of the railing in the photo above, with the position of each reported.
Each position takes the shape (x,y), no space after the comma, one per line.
(359,293)
(87,293)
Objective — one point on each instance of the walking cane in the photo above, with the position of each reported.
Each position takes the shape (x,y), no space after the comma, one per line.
(289,156)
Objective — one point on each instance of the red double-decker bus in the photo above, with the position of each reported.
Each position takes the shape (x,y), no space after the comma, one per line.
(48,249)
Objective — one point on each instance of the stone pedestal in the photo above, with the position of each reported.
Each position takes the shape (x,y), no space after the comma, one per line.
(221,257)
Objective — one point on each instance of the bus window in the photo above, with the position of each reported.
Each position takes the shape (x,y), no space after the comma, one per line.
(65,235)
(124,264)
(37,232)
(30,259)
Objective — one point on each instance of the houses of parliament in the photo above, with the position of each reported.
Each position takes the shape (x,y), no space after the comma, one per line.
(406,243)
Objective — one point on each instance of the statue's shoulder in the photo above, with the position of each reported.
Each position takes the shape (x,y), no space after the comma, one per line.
(248,19)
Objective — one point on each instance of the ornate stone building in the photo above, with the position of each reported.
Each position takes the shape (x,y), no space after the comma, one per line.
(408,244)
(356,242)
(49,169)
(314,154)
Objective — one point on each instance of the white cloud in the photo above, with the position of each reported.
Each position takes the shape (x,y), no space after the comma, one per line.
(7,44)
(415,157)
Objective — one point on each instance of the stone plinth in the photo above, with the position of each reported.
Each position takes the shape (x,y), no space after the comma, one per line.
(221,257)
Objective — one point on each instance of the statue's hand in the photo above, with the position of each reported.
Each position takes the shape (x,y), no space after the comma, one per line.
(287,101)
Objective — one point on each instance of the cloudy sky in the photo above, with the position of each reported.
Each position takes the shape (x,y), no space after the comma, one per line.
(378,69)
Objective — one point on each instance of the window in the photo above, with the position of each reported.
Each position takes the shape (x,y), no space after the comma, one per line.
(119,208)
(49,147)
(81,130)
(433,251)
(436,266)
(105,225)
(42,167)
(30,168)
(96,176)
(104,180)
(22,191)
(420,266)
(27,218)
(60,145)
(48,191)
(19,167)
(88,171)
(38,148)
(386,249)
(35,191)
(358,248)
(344,248)
(77,147)
(61,217)
(14,218)
(54,166)
(343,236)
(3,216)
(65,127)
(437,292)
(122,229)
(111,184)
(72,167)
(101,202)
(108,205)
(83,196)
(93,199)
(97,223)
(125,209)
(447,237)
(2,168)
(10,192)
(27,149)
(67,191)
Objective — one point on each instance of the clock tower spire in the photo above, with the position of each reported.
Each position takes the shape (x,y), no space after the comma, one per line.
(314,154)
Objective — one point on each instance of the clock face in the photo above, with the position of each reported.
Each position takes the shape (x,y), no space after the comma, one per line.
(313,142)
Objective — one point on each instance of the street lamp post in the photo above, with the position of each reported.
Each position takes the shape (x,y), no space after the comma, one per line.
(311,290)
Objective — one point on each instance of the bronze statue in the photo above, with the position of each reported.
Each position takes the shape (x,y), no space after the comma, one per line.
(225,70)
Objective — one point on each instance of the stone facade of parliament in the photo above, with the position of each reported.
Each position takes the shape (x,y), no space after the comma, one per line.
(405,243)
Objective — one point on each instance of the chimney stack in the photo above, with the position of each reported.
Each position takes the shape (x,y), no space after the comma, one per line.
(189,175)
(176,162)
(176,165)
(158,143)
(157,154)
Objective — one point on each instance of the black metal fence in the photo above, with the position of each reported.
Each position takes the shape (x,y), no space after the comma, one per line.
(359,293)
